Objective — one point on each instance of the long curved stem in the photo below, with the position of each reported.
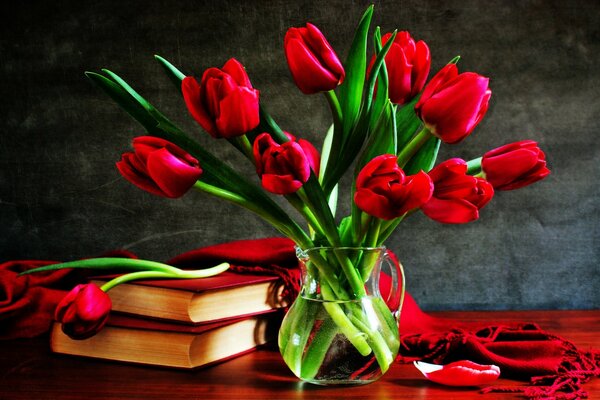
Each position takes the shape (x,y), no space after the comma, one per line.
(180,274)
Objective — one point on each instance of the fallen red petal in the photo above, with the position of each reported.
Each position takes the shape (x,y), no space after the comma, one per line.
(459,373)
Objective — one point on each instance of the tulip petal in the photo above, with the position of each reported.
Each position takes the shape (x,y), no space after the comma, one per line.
(421,189)
(308,73)
(453,211)
(193,102)
(459,373)
(324,51)
(138,178)
(280,184)
(239,113)
(444,75)
(421,65)
(237,71)
(506,168)
(454,110)
(173,176)
(399,74)
(312,155)
(374,204)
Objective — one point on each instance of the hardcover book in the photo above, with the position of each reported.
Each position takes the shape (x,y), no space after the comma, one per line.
(151,342)
(193,301)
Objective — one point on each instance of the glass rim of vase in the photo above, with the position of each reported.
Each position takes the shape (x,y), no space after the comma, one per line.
(303,253)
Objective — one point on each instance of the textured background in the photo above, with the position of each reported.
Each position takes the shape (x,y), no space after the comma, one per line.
(61,197)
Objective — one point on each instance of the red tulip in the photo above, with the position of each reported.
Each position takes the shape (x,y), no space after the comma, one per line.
(284,168)
(457,197)
(159,167)
(514,165)
(452,105)
(407,66)
(313,63)
(383,191)
(459,373)
(83,311)
(224,104)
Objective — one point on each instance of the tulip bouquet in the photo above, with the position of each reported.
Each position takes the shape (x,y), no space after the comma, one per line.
(387,125)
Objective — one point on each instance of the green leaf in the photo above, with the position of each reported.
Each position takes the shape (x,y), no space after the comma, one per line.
(425,157)
(325,152)
(351,90)
(124,100)
(379,61)
(382,84)
(383,138)
(175,75)
(320,206)
(407,123)
(454,60)
(345,230)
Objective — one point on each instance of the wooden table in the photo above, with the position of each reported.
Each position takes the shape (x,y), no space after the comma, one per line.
(29,371)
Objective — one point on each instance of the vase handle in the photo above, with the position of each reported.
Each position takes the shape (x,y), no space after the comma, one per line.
(395,296)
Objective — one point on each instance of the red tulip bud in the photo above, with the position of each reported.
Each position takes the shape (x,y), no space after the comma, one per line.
(283,168)
(407,66)
(224,104)
(159,167)
(313,63)
(514,165)
(457,197)
(383,191)
(452,105)
(84,311)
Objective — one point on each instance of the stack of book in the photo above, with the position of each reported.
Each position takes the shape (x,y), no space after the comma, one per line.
(183,323)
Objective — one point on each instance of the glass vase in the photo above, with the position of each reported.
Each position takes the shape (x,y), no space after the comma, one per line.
(340,330)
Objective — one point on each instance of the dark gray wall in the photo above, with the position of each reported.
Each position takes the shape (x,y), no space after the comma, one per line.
(62,198)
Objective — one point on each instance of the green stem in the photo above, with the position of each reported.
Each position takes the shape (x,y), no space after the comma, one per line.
(474,166)
(413,146)
(337,314)
(334,105)
(315,354)
(110,263)
(303,209)
(380,348)
(300,330)
(388,228)
(244,145)
(373,233)
(180,274)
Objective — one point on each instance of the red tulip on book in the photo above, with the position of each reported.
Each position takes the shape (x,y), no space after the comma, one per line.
(407,66)
(313,63)
(159,167)
(84,311)
(457,197)
(283,168)
(224,103)
(452,104)
(514,165)
(384,191)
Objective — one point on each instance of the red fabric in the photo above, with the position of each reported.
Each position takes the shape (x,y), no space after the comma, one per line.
(555,368)
(27,302)
(553,365)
